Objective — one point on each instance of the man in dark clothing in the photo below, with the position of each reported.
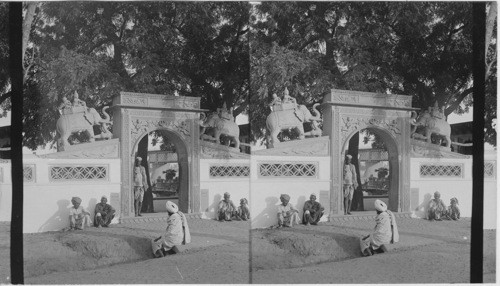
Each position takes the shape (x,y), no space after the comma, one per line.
(313,211)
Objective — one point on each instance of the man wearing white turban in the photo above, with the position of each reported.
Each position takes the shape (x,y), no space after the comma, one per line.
(79,218)
(385,232)
(226,209)
(437,208)
(350,183)
(177,233)
(287,214)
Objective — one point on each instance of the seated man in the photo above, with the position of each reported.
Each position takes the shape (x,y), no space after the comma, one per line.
(437,208)
(313,211)
(226,209)
(177,233)
(453,210)
(79,218)
(287,214)
(104,213)
(385,232)
(244,210)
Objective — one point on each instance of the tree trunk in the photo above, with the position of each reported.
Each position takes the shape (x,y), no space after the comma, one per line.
(27,23)
(357,200)
(490,23)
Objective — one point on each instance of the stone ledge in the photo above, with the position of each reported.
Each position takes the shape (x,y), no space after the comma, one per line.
(368,217)
(422,149)
(94,150)
(156,218)
(319,146)
(211,150)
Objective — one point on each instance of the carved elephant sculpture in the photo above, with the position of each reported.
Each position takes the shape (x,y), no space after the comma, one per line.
(80,121)
(290,119)
(219,126)
(431,125)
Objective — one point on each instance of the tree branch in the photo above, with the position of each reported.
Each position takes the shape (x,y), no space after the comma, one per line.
(240,109)
(457,101)
(308,42)
(5,96)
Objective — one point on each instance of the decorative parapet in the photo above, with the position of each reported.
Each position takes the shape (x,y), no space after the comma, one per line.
(29,173)
(288,169)
(211,150)
(441,170)
(146,100)
(307,147)
(95,150)
(421,149)
(217,171)
(65,173)
(490,169)
(360,98)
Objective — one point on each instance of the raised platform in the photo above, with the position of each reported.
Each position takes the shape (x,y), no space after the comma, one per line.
(318,146)
(422,149)
(211,150)
(92,150)
(365,215)
(156,217)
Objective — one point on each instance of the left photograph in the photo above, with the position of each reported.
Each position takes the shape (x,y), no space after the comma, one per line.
(135,142)
(5,183)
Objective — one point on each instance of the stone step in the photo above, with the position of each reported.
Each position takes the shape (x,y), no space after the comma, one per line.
(364,216)
(156,217)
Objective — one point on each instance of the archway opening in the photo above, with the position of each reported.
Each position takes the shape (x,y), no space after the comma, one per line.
(164,157)
(375,157)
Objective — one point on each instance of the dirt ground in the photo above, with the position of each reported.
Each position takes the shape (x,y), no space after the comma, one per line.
(121,254)
(4,252)
(428,252)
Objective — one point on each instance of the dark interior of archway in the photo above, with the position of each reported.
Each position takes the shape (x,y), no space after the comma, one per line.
(376,186)
(168,182)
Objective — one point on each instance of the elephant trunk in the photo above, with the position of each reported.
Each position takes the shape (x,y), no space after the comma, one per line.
(202,119)
(317,115)
(107,118)
(413,119)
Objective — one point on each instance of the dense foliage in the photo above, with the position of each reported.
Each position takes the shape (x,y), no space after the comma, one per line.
(102,48)
(423,49)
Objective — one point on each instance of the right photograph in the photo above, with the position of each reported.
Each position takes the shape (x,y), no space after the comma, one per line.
(362,140)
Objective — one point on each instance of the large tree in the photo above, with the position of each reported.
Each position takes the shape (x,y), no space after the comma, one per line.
(102,48)
(423,49)
(4,60)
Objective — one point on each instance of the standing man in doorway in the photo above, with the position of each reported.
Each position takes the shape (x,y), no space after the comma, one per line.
(140,183)
(350,182)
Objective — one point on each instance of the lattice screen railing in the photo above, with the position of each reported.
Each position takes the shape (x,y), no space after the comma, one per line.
(79,173)
(222,171)
(29,173)
(490,169)
(441,170)
(288,169)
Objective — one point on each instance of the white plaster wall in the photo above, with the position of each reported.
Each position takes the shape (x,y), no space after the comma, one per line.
(265,191)
(237,187)
(5,191)
(450,187)
(47,203)
(490,194)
